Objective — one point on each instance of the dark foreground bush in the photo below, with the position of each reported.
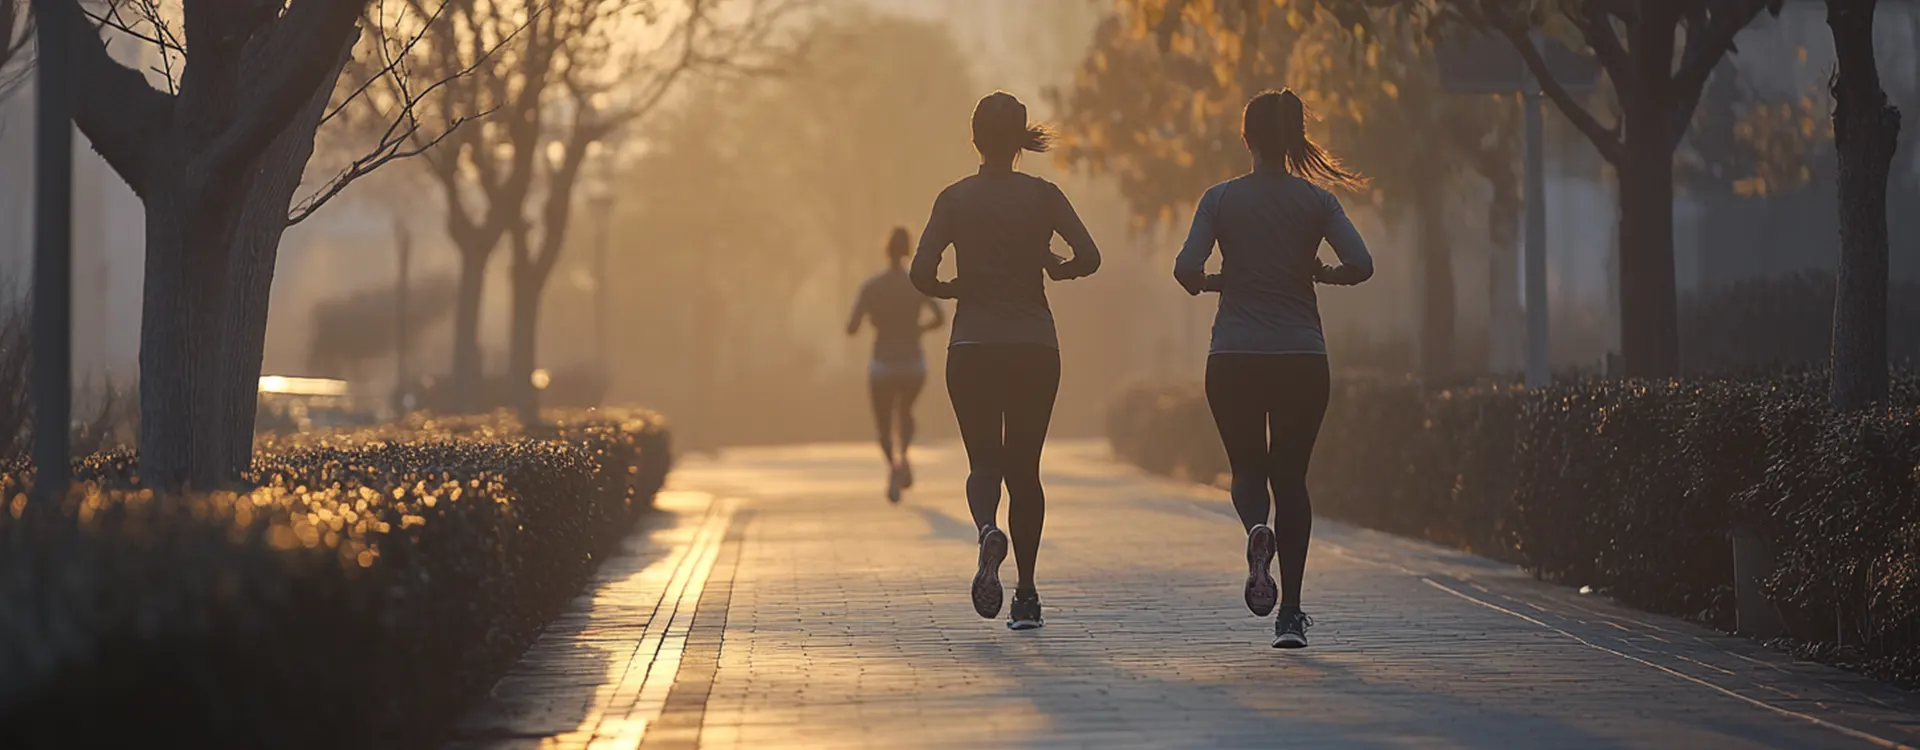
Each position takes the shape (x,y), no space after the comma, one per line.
(1631,488)
(370,588)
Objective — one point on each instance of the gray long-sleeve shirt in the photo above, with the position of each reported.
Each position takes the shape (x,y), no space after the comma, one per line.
(1001,225)
(1269,225)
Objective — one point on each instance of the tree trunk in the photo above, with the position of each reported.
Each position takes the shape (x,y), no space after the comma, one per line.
(1438,358)
(522,347)
(1506,316)
(1866,133)
(523,329)
(1649,311)
(467,372)
(270,187)
(167,440)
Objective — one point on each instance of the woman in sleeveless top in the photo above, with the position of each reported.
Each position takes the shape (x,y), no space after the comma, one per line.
(1003,364)
(898,369)
(1267,377)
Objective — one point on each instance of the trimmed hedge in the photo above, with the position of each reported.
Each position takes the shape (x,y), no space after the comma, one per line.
(1629,487)
(369,589)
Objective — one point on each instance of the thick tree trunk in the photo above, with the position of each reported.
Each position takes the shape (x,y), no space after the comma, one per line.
(167,440)
(1866,132)
(1506,351)
(1438,356)
(467,373)
(1649,311)
(270,187)
(522,349)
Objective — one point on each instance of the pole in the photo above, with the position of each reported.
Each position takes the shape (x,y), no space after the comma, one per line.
(53,255)
(603,207)
(1539,362)
(403,241)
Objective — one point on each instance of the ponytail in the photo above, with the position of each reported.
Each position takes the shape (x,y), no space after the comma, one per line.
(1001,130)
(1275,126)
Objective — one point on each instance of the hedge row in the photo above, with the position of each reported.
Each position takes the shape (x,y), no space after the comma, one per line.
(370,588)
(1631,488)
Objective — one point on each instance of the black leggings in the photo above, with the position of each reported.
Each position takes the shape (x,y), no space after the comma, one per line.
(1268,408)
(894,394)
(1003,398)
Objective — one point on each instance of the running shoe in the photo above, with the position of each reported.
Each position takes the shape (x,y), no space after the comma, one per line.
(1262,593)
(906,474)
(1290,628)
(893,486)
(1026,611)
(987,593)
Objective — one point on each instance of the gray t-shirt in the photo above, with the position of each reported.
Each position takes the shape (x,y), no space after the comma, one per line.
(1269,225)
(1001,225)
(889,300)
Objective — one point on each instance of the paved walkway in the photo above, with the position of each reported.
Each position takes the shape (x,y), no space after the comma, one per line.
(780,602)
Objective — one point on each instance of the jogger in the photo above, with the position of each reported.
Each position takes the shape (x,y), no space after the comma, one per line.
(898,369)
(1003,364)
(1267,377)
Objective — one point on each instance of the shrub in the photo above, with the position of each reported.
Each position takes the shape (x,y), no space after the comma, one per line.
(1627,487)
(367,589)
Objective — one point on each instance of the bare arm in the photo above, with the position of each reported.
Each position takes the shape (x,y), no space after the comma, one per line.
(859,311)
(1066,222)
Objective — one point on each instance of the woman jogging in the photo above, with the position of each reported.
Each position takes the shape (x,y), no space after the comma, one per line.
(898,369)
(1267,367)
(1003,365)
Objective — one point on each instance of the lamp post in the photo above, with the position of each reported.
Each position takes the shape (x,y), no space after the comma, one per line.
(53,254)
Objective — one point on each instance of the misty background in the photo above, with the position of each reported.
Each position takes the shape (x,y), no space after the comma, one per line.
(737,222)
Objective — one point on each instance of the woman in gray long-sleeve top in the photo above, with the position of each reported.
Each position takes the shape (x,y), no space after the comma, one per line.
(1267,377)
(1003,365)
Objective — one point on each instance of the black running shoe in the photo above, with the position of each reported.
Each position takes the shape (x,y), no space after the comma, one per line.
(1026,611)
(1262,593)
(1290,628)
(987,593)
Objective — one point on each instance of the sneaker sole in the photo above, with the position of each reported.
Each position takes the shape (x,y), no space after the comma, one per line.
(1026,624)
(1262,593)
(1289,643)
(987,592)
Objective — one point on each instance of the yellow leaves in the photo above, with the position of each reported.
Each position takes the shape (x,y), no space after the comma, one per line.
(1391,89)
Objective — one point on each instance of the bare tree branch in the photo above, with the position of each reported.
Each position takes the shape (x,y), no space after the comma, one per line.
(1605,140)
(382,154)
(1709,39)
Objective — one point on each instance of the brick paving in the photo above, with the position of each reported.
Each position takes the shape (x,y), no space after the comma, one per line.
(781,602)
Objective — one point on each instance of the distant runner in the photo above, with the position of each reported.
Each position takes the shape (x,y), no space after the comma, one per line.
(898,369)
(1267,378)
(1003,365)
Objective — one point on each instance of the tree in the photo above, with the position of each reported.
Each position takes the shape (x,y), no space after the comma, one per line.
(1658,81)
(216,160)
(1657,54)
(1866,131)
(570,81)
